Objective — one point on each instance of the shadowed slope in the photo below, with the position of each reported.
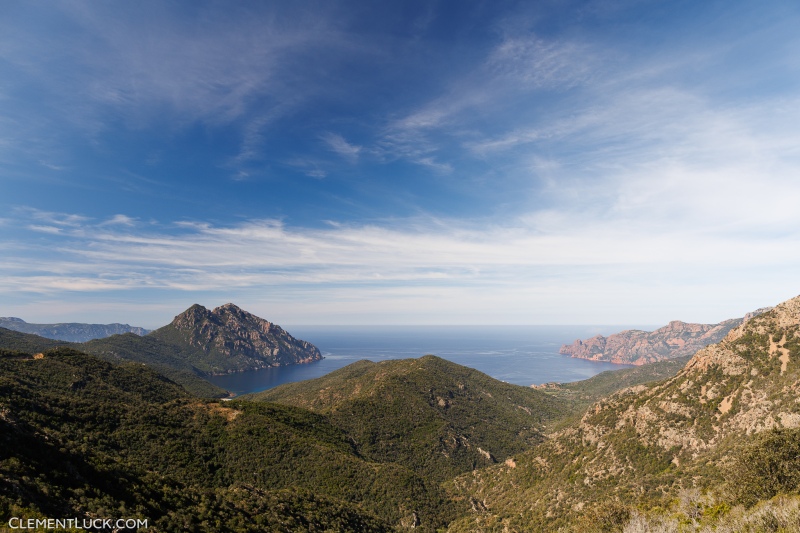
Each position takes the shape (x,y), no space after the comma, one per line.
(83,437)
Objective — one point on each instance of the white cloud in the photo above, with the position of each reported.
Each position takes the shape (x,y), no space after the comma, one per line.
(120,220)
(430,162)
(550,262)
(51,166)
(338,144)
(44,229)
(540,63)
(65,220)
(316,173)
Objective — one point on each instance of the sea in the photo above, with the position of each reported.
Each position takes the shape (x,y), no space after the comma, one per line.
(522,355)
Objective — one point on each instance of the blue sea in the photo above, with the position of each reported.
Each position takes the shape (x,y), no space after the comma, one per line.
(522,355)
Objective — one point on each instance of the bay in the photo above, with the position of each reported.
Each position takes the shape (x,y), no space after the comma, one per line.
(522,355)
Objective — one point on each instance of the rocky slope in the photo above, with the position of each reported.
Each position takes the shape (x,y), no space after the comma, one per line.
(643,445)
(636,347)
(229,339)
(70,331)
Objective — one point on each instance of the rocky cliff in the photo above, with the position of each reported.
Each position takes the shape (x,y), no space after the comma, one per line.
(229,339)
(745,384)
(70,331)
(645,444)
(636,347)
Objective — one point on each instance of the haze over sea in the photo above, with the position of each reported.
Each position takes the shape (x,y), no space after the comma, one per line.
(522,355)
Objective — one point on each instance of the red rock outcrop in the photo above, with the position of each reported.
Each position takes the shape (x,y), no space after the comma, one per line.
(637,347)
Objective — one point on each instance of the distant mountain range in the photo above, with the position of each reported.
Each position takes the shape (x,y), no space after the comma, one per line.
(636,347)
(70,331)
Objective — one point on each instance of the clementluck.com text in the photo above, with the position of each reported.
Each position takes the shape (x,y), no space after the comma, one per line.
(77,523)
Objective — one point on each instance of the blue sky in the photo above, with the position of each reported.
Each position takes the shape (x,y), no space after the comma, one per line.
(553,162)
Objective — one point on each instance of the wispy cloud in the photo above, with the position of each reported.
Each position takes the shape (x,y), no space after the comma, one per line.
(508,77)
(547,249)
(587,170)
(338,144)
(539,63)
(119,220)
(311,167)
(149,68)
(430,162)
(51,166)
(56,219)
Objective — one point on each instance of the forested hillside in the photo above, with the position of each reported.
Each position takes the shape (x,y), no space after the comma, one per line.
(436,417)
(83,437)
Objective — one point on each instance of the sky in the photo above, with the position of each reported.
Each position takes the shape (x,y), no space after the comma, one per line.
(415,162)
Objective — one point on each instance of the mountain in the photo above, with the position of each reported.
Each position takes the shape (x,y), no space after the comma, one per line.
(80,437)
(200,342)
(636,347)
(70,331)
(428,414)
(717,434)
(420,444)
(26,342)
(197,343)
(229,339)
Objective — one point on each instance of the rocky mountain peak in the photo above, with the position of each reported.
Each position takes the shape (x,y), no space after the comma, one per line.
(235,317)
(191,316)
(675,324)
(233,339)
(232,310)
(231,307)
(757,312)
(784,314)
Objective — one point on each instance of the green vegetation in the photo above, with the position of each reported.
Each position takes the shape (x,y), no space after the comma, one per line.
(579,395)
(766,467)
(81,436)
(427,444)
(603,384)
(26,342)
(436,417)
(170,360)
(167,360)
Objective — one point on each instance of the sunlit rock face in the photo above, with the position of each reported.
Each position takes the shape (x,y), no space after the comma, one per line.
(635,347)
(235,340)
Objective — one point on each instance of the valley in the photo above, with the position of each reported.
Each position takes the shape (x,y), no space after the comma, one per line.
(423,444)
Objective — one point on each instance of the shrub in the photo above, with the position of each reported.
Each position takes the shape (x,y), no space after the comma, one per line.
(768,466)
